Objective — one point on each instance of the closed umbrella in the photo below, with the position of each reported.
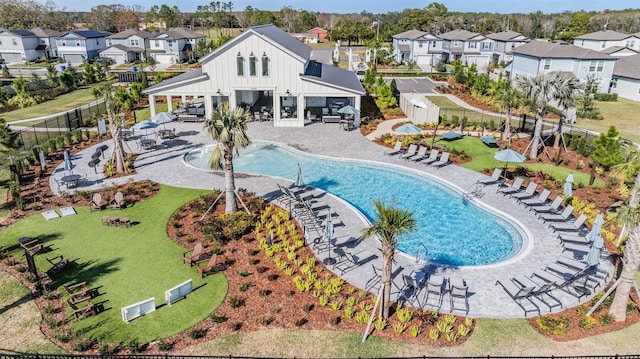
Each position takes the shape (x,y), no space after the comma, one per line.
(509,155)
(596,230)
(568,185)
(68,165)
(43,164)
(593,257)
(299,181)
(328,233)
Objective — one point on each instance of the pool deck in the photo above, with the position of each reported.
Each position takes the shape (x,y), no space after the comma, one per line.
(164,164)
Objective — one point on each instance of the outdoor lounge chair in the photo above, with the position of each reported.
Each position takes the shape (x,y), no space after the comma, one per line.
(443,161)
(395,150)
(212,266)
(573,238)
(495,177)
(197,254)
(352,261)
(561,283)
(435,289)
(553,207)
(570,227)
(421,154)
(458,291)
(531,189)
(78,293)
(576,247)
(58,263)
(81,312)
(410,152)
(542,292)
(514,188)
(96,203)
(433,157)
(521,295)
(117,201)
(562,217)
(538,201)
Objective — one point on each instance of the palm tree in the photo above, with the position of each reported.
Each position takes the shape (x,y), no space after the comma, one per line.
(390,223)
(538,91)
(105,91)
(631,259)
(567,92)
(229,128)
(507,98)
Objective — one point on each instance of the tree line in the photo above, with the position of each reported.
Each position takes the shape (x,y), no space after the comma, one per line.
(356,27)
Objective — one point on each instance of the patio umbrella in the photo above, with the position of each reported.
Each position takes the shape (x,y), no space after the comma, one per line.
(144,125)
(163,117)
(328,232)
(68,165)
(508,155)
(568,185)
(408,129)
(299,181)
(348,110)
(451,135)
(593,257)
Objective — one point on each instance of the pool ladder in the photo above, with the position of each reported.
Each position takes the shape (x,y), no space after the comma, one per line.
(475,192)
(418,259)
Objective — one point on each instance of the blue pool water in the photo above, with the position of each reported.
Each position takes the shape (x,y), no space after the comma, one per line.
(454,231)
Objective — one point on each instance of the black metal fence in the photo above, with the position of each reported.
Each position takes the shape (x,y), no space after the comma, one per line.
(169,356)
(40,131)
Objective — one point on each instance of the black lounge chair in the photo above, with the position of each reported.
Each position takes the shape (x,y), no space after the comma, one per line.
(521,295)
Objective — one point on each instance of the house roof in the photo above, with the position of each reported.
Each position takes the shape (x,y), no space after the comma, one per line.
(319,29)
(87,34)
(130,32)
(284,39)
(21,33)
(178,33)
(628,66)
(603,35)
(504,35)
(122,48)
(39,32)
(410,35)
(190,75)
(613,49)
(459,34)
(332,76)
(559,50)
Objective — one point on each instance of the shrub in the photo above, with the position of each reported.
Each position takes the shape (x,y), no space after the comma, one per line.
(399,328)
(164,346)
(380,323)
(553,325)
(404,315)
(235,301)
(197,333)
(244,286)
(83,345)
(587,322)
(414,330)
(133,346)
(606,319)
(217,318)
(606,97)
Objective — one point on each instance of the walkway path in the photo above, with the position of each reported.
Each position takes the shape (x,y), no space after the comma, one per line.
(165,165)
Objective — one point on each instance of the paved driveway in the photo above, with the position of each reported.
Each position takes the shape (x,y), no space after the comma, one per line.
(415,85)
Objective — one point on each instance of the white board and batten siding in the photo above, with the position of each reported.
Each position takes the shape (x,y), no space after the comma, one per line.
(138,309)
(178,292)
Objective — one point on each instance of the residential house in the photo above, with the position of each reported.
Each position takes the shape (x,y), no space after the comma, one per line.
(47,41)
(267,71)
(626,78)
(601,40)
(619,51)
(18,46)
(504,44)
(77,46)
(538,57)
(322,33)
(306,38)
(174,46)
(467,46)
(127,46)
(421,47)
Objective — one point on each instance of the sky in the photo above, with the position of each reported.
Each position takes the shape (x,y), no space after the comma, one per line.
(376,6)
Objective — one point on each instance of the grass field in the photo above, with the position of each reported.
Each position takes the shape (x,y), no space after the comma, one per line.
(449,108)
(623,114)
(127,265)
(64,102)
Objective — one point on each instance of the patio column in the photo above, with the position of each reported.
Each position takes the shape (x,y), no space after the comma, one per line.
(208,106)
(152,105)
(184,99)
(357,101)
(169,103)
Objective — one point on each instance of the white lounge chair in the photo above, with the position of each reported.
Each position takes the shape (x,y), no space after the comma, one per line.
(538,201)
(495,177)
(433,157)
(421,154)
(570,227)
(562,217)
(395,150)
(443,161)
(410,152)
(531,189)
(514,188)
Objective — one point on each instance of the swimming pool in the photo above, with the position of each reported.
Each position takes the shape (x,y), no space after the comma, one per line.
(455,231)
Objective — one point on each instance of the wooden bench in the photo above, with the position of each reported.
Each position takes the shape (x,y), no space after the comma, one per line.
(78,293)
(81,312)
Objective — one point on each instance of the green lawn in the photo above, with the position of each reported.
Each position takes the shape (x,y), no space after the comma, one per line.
(449,108)
(127,265)
(64,102)
(623,114)
(483,159)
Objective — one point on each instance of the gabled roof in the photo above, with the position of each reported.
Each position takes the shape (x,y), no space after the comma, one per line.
(283,39)
(122,48)
(504,35)
(177,33)
(410,35)
(21,33)
(318,29)
(87,34)
(332,76)
(130,32)
(39,32)
(182,78)
(559,50)
(614,49)
(628,66)
(459,34)
(603,35)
